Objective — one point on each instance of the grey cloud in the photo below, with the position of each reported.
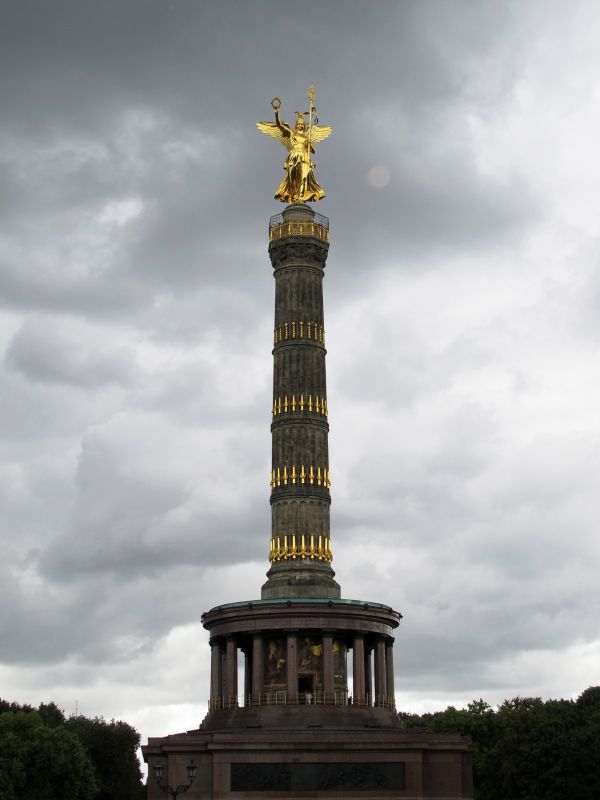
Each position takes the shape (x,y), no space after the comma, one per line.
(42,351)
(88,622)
(42,413)
(143,504)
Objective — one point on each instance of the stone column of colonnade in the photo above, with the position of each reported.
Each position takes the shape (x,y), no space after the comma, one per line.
(216,674)
(224,677)
(380,672)
(369,674)
(292,667)
(383,669)
(358,669)
(258,668)
(300,550)
(224,673)
(230,687)
(389,672)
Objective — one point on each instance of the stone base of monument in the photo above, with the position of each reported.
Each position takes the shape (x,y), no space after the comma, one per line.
(312,760)
(303,727)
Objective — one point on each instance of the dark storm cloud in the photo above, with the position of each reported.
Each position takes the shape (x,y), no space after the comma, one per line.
(161,105)
(75,61)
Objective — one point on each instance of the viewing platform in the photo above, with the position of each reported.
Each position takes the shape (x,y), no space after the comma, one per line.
(299,220)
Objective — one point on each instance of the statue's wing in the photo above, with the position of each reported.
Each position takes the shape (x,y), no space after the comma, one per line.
(273,130)
(319,132)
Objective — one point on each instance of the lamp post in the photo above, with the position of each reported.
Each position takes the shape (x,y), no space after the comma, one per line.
(159,769)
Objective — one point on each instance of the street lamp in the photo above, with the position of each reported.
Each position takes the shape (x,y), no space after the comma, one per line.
(192,771)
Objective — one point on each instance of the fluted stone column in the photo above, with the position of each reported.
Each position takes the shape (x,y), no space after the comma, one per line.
(258,667)
(231,690)
(369,675)
(292,667)
(380,672)
(216,677)
(328,676)
(247,676)
(358,669)
(300,551)
(389,671)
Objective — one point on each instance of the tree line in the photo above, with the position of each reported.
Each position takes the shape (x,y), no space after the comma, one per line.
(47,756)
(527,748)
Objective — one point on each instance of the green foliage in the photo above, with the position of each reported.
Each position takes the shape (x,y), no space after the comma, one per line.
(587,740)
(51,715)
(528,749)
(44,756)
(42,763)
(112,746)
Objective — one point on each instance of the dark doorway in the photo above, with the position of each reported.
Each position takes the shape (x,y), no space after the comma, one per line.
(306,688)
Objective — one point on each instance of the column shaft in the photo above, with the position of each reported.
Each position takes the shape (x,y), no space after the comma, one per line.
(389,672)
(328,679)
(230,672)
(247,676)
(292,668)
(368,675)
(258,667)
(300,549)
(216,678)
(358,670)
(380,689)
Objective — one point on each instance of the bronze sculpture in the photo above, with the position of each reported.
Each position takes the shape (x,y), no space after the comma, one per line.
(300,184)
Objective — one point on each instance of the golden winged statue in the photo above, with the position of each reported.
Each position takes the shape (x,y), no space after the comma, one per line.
(299,184)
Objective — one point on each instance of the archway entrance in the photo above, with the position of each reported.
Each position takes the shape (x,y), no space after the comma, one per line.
(306,687)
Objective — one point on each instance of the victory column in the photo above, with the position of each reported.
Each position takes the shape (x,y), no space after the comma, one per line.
(300,550)
(292,727)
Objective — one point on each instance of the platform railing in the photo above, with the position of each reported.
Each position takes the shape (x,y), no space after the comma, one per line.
(279,697)
(318,227)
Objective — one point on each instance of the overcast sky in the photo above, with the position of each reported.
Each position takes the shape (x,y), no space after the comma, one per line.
(462,298)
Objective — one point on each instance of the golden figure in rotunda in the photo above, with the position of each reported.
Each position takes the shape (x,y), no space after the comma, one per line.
(300,184)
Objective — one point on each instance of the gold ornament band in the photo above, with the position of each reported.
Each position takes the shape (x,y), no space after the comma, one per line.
(299,330)
(318,405)
(316,548)
(301,475)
